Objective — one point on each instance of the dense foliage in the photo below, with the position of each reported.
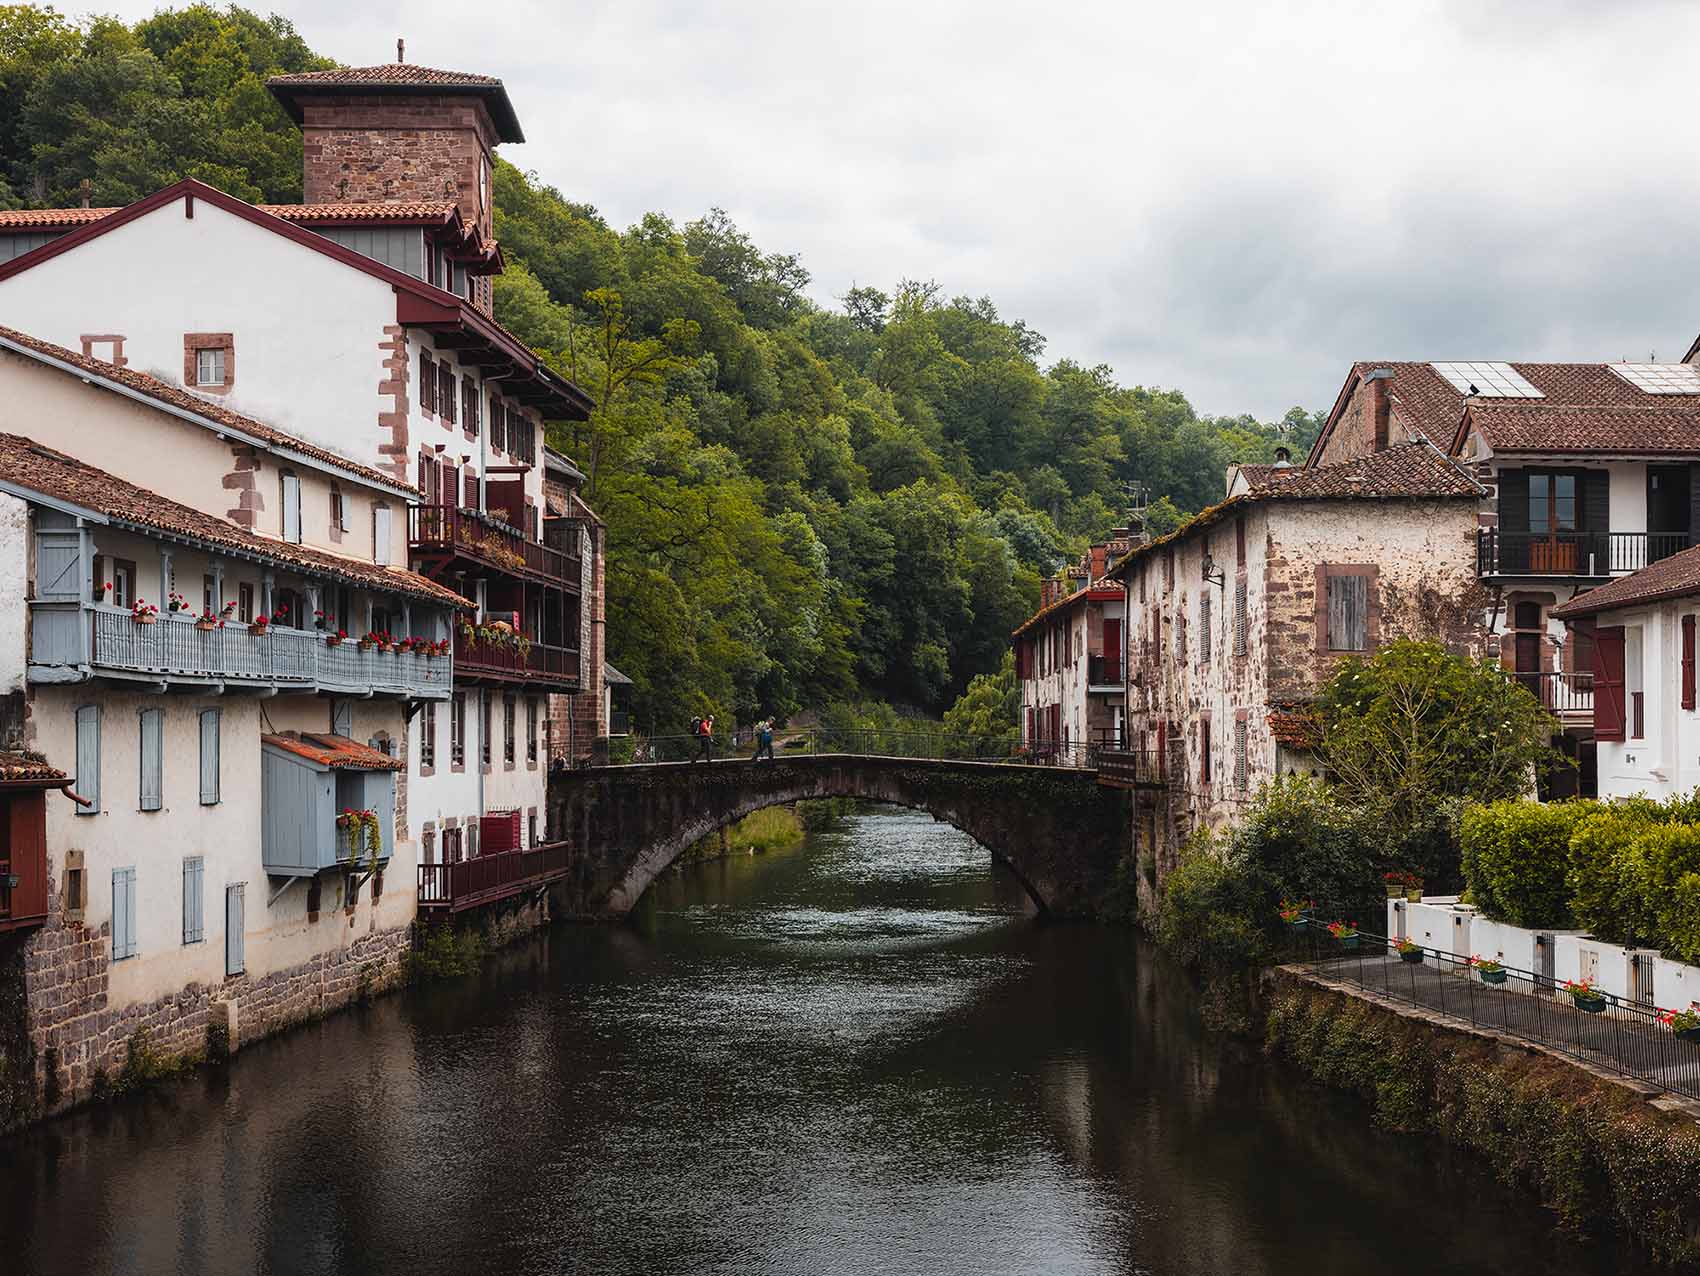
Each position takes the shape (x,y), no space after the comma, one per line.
(804,504)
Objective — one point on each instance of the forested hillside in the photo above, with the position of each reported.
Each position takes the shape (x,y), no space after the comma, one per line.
(807,503)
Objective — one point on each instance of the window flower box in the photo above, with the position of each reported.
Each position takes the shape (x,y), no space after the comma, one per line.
(1584,996)
(1409,950)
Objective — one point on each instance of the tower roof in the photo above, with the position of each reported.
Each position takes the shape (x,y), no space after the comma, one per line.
(400,79)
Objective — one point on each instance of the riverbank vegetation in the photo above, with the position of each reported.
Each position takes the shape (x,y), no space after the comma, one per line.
(773,828)
(807,501)
(1605,1161)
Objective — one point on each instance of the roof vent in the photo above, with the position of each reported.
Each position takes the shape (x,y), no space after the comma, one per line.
(1283,459)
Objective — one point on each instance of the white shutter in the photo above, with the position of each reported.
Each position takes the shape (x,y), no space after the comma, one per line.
(152,764)
(194,881)
(124,913)
(88,758)
(381,534)
(292,509)
(235,960)
(209,756)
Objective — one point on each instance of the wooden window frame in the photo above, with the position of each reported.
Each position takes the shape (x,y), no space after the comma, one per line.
(1372,607)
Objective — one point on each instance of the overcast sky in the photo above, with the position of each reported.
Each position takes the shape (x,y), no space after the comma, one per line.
(1233,199)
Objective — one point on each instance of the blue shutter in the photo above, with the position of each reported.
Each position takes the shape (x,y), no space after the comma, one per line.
(234,960)
(342,718)
(123,913)
(194,885)
(209,756)
(88,758)
(153,744)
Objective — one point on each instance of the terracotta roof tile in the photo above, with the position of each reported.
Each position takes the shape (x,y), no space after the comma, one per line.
(391,73)
(446,211)
(1541,427)
(334,751)
(178,397)
(49,218)
(35,467)
(1295,727)
(17,767)
(1673,577)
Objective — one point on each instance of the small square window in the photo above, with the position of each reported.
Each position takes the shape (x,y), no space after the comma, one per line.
(209,366)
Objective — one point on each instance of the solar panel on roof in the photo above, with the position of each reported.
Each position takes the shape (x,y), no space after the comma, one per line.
(1490,380)
(1660,378)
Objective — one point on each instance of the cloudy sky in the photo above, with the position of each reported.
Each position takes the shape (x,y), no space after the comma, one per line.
(1233,199)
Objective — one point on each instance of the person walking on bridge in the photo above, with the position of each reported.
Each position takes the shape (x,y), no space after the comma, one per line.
(764,740)
(705,739)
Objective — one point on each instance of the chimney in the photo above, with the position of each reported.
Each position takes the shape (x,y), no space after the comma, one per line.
(1097,573)
(400,50)
(1283,459)
(1377,409)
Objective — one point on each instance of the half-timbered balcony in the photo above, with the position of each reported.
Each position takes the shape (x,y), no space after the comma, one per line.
(513,660)
(175,650)
(441,534)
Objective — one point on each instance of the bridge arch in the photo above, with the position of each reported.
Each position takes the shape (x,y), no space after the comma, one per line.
(1059,832)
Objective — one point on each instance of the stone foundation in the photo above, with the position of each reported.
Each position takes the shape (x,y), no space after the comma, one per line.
(61,1045)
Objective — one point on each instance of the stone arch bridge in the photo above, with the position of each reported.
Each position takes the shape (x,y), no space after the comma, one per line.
(1057,828)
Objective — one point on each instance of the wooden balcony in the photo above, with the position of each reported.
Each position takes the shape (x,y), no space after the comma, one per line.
(539,664)
(445,533)
(1583,555)
(484,879)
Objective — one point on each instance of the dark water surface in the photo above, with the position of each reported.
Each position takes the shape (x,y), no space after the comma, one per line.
(859,1057)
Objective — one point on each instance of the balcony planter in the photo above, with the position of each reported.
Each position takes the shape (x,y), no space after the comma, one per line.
(259,627)
(1409,950)
(1491,971)
(1585,997)
(143,617)
(333,640)
(206,625)
(1345,932)
(1684,1024)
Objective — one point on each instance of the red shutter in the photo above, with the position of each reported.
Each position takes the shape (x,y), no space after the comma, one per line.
(1162,735)
(1112,651)
(470,498)
(1608,683)
(1688,661)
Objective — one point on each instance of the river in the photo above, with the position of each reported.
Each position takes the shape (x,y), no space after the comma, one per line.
(862,1056)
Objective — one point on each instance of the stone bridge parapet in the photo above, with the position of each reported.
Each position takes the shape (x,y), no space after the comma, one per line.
(1057,829)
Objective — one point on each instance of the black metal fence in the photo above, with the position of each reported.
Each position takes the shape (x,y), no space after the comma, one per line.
(1623,1036)
(935,745)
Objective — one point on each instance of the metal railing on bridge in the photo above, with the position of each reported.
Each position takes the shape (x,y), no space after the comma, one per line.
(1621,1035)
(856,742)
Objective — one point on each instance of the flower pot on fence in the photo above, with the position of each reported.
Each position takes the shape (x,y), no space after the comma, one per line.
(1348,941)
(1589,1005)
(143,619)
(257,630)
(1688,1034)
(1415,957)
(1414,894)
(206,626)
(1395,892)
(1492,976)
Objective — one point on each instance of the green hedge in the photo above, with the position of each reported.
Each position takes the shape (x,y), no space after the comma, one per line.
(1516,859)
(1601,901)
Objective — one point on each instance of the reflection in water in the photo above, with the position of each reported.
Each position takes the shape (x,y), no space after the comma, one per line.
(861,1057)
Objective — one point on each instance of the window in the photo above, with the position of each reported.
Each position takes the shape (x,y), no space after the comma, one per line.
(508,730)
(339,513)
(194,923)
(1348,613)
(88,758)
(427,383)
(445,394)
(1688,661)
(342,719)
(1204,626)
(210,724)
(152,762)
(531,729)
(209,592)
(1204,751)
(1552,502)
(291,507)
(531,827)
(1241,780)
(287,609)
(120,573)
(245,603)
(209,367)
(75,900)
(1632,674)
(381,534)
(1242,627)
(498,424)
(428,736)
(124,913)
(457,730)
(484,732)
(469,404)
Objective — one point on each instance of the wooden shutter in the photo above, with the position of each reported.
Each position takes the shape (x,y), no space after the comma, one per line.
(124,913)
(235,959)
(1348,610)
(58,567)
(1240,777)
(1241,627)
(292,509)
(445,393)
(88,758)
(342,719)
(194,924)
(209,756)
(427,384)
(153,744)
(1113,650)
(1688,661)
(1608,683)
(469,498)
(381,534)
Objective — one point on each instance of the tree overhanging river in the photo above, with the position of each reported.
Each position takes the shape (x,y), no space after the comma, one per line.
(859,1057)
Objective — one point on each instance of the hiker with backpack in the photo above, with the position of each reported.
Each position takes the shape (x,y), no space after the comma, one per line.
(703,730)
(764,740)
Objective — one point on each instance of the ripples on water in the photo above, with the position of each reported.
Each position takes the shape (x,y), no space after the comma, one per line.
(860,1057)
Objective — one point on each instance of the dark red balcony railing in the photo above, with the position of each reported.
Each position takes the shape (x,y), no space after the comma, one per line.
(472,535)
(536,661)
(483,879)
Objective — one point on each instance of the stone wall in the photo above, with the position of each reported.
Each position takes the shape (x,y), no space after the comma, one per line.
(60,1044)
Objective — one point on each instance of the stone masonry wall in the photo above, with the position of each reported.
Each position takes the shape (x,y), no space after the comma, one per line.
(67,1043)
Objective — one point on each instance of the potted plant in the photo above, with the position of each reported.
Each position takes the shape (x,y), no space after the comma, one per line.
(1584,996)
(1491,971)
(363,834)
(1395,882)
(259,624)
(322,620)
(1295,913)
(176,603)
(1409,950)
(1345,932)
(1413,888)
(207,620)
(368,640)
(335,637)
(143,612)
(1684,1023)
